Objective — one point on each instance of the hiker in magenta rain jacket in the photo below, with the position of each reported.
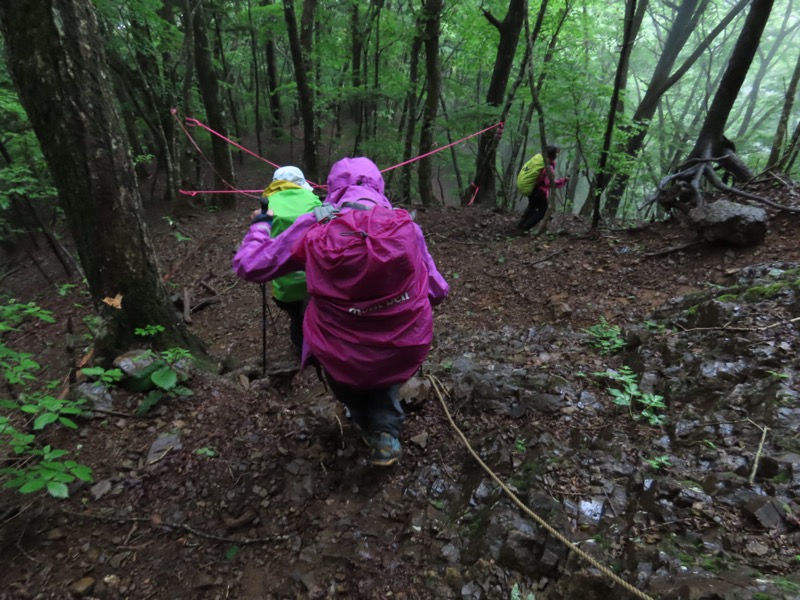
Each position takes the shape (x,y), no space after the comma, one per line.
(367,351)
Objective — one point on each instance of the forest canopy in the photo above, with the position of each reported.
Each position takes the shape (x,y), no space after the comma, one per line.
(350,78)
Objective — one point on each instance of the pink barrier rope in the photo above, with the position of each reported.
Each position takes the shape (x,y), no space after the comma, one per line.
(230,141)
(411,160)
(233,190)
(475,195)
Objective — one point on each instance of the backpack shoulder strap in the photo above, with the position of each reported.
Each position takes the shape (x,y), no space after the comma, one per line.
(328,211)
(357,206)
(325,211)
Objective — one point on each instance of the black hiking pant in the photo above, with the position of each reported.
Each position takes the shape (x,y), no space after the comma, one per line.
(375,410)
(295,311)
(537,207)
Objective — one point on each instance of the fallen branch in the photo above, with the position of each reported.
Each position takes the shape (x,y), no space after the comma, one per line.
(676,248)
(213,299)
(181,527)
(717,183)
(758,452)
(726,328)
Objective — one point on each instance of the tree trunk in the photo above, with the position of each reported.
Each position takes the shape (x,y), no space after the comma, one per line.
(227,78)
(432,14)
(272,83)
(509,30)
(661,81)
(622,68)
(711,134)
(305,97)
(256,78)
(58,65)
(783,122)
(189,161)
(764,64)
(411,112)
(215,113)
(712,146)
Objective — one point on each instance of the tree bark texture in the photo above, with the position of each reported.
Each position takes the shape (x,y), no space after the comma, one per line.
(622,68)
(58,64)
(305,96)
(663,78)
(711,133)
(783,122)
(509,30)
(433,77)
(215,113)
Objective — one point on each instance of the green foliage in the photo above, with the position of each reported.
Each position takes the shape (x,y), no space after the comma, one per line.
(107,377)
(640,404)
(207,452)
(28,467)
(149,330)
(658,462)
(166,378)
(64,289)
(520,446)
(607,338)
(516,594)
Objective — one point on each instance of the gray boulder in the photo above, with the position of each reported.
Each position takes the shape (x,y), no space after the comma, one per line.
(725,221)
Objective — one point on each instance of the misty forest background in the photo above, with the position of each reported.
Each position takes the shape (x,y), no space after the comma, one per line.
(96,99)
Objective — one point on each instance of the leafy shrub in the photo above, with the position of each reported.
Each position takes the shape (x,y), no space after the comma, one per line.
(607,338)
(26,466)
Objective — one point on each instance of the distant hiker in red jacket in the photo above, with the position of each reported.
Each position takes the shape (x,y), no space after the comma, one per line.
(533,181)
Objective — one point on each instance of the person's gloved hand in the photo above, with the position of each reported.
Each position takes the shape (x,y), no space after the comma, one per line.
(259,216)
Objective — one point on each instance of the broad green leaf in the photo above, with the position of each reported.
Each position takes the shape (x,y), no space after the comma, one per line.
(57,489)
(33,485)
(44,420)
(166,378)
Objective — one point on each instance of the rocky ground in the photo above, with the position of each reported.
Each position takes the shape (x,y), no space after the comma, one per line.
(256,486)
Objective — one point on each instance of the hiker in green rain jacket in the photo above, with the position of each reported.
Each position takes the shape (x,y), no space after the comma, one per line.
(289,196)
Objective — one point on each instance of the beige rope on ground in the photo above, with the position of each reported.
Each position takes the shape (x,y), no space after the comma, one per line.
(439,387)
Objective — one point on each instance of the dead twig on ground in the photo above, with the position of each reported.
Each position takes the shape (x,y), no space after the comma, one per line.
(675,249)
(757,458)
(182,527)
(726,328)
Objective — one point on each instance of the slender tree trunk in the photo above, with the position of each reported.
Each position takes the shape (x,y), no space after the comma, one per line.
(256,77)
(272,82)
(622,67)
(433,77)
(711,134)
(56,45)
(215,113)
(189,161)
(411,112)
(509,30)
(663,79)
(712,146)
(783,122)
(227,78)
(765,62)
(305,96)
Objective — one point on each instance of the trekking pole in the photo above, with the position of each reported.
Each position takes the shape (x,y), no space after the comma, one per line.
(264,208)
(263,329)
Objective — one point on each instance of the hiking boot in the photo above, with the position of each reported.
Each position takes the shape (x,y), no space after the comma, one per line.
(384,449)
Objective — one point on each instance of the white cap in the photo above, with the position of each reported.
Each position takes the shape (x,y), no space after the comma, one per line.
(292,174)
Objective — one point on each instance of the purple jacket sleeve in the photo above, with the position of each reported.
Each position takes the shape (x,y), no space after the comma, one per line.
(437,286)
(263,258)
